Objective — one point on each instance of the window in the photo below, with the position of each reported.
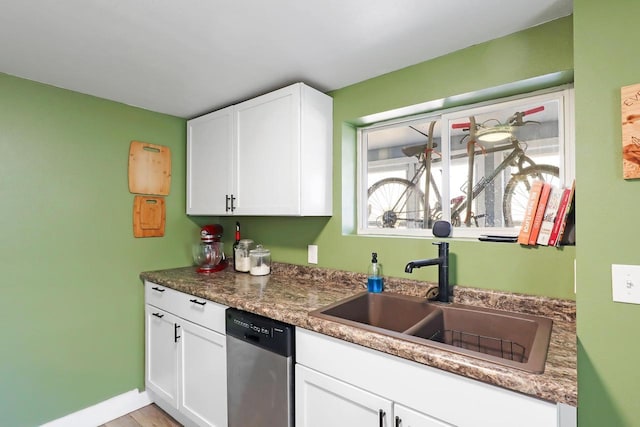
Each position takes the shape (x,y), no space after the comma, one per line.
(471,166)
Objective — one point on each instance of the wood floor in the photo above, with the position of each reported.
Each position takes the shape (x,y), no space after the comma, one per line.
(149,416)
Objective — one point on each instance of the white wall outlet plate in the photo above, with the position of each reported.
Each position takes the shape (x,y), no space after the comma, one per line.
(312,254)
(625,281)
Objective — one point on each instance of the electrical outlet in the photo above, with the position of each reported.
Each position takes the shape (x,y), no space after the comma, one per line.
(575,277)
(312,254)
(625,280)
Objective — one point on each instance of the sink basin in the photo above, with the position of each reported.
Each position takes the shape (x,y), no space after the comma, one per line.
(511,339)
(378,311)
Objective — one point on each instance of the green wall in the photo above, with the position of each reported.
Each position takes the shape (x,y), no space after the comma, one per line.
(70,296)
(606,58)
(547,271)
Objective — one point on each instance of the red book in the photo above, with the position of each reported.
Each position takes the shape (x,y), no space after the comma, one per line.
(530,212)
(561,217)
(567,211)
(549,217)
(537,220)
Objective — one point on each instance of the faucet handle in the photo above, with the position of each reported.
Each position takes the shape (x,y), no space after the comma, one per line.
(443,247)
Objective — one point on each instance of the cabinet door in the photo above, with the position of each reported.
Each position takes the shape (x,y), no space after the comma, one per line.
(405,417)
(323,401)
(161,356)
(203,375)
(209,163)
(452,398)
(268,154)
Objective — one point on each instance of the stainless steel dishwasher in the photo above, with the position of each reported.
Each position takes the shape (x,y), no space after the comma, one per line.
(259,371)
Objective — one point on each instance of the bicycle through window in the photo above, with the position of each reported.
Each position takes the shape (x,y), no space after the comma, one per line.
(481,160)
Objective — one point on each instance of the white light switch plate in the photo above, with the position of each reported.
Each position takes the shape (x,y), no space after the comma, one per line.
(626,283)
(312,254)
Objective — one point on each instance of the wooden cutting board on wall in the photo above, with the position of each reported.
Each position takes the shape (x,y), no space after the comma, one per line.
(630,109)
(149,168)
(149,216)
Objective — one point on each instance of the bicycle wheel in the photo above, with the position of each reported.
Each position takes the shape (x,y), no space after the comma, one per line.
(516,193)
(395,203)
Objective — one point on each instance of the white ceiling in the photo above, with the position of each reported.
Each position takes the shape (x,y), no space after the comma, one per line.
(189,57)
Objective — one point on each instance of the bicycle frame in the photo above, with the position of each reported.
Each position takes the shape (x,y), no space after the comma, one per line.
(516,157)
(517,154)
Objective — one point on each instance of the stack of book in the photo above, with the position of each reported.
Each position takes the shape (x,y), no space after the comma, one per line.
(549,216)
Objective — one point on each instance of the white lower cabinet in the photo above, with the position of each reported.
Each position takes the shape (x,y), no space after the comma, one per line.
(339,383)
(324,401)
(203,382)
(186,369)
(161,354)
(407,417)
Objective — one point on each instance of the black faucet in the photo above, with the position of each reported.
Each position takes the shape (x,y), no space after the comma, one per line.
(443,269)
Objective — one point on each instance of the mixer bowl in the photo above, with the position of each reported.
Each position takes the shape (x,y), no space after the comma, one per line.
(207,255)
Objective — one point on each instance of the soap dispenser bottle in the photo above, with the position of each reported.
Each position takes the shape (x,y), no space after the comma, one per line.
(374,276)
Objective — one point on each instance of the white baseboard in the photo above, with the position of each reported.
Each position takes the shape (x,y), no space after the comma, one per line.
(105,411)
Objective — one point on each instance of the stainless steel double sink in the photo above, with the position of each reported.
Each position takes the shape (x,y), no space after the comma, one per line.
(512,339)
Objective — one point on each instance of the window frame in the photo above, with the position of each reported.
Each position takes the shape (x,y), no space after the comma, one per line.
(565,96)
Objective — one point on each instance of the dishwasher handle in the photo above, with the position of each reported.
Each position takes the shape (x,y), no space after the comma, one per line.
(251,337)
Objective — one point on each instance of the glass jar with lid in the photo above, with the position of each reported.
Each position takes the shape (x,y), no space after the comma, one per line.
(260,261)
(241,256)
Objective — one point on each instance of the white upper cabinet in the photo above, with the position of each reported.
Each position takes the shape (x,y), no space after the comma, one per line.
(277,155)
(268,161)
(209,162)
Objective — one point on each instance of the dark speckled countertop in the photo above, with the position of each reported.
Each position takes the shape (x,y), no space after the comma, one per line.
(292,291)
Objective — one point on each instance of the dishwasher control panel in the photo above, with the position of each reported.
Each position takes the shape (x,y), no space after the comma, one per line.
(258,329)
(267,333)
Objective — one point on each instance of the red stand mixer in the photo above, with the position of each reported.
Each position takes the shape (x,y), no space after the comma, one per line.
(209,254)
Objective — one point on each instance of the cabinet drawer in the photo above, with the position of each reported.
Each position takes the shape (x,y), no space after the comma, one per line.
(194,309)
(161,297)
